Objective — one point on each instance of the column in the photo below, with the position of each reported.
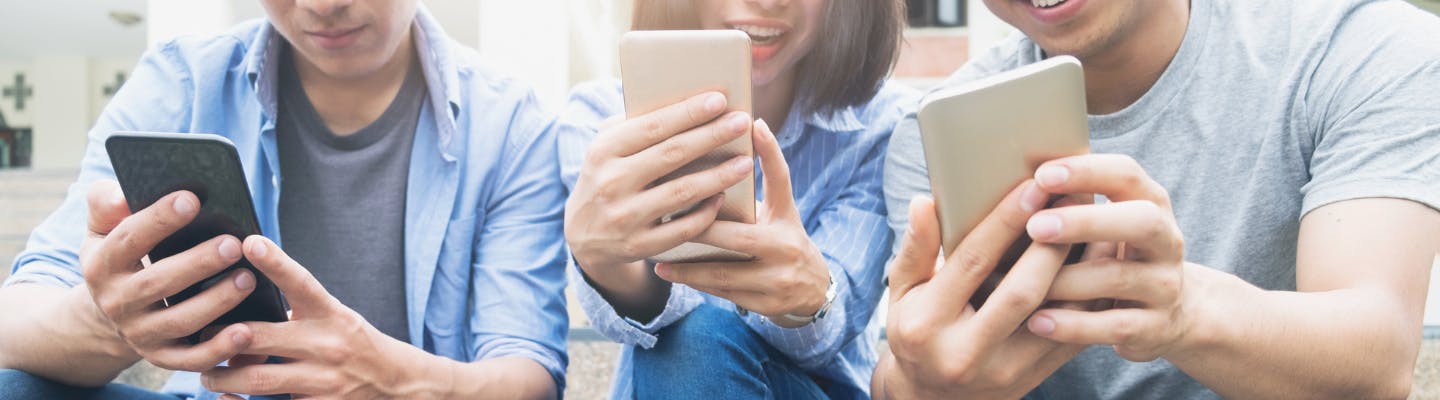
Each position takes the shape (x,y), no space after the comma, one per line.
(61,115)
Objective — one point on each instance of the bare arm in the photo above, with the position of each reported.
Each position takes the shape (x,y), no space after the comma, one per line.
(58,333)
(1352,330)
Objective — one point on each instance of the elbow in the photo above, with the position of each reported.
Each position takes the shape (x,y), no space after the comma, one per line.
(1397,387)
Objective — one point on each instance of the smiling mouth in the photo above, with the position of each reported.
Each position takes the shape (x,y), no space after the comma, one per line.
(1047,3)
(761,35)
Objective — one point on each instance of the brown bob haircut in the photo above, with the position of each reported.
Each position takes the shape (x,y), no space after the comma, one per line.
(856,45)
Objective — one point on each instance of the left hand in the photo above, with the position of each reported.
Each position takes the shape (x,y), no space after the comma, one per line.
(1142,265)
(330,350)
(788,274)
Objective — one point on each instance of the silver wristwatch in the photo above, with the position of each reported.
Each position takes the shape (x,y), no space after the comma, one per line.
(824,308)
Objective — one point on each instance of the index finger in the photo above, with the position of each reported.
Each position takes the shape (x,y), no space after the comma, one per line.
(300,288)
(1117,176)
(977,255)
(639,133)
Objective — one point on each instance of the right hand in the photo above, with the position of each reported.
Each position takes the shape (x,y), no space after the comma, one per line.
(941,346)
(612,216)
(130,294)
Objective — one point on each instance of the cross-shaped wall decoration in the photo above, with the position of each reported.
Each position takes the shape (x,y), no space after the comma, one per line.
(19,91)
(110,90)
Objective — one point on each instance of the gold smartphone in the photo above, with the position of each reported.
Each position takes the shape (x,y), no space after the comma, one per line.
(983,138)
(661,68)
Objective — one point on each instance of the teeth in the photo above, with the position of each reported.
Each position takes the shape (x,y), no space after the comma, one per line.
(1046,3)
(760,32)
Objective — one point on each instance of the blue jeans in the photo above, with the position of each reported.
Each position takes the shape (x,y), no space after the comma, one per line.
(712,354)
(15,384)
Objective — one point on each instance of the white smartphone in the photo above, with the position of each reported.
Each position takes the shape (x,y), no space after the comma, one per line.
(661,68)
(983,138)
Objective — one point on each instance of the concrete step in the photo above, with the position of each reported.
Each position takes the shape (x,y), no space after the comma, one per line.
(592,367)
(20,224)
(29,181)
(13,204)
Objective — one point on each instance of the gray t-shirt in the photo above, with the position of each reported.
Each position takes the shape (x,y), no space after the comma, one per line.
(1269,110)
(342,199)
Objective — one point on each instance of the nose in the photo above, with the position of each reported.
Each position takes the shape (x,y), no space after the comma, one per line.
(324,8)
(769,4)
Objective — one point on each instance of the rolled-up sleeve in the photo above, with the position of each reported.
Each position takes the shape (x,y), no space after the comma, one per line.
(521,253)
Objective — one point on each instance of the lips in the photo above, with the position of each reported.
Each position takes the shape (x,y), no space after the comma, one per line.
(335,39)
(1052,12)
(766,38)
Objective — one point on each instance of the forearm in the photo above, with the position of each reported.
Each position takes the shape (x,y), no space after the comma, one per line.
(496,378)
(1252,343)
(59,334)
(632,289)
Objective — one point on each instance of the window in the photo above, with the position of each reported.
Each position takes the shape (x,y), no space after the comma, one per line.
(937,13)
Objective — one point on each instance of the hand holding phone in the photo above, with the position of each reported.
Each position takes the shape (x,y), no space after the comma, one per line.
(984,138)
(654,181)
(191,207)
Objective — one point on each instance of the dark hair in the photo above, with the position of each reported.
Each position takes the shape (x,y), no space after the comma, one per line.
(855,48)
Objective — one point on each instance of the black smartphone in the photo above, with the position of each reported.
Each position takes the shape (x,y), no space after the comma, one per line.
(150,166)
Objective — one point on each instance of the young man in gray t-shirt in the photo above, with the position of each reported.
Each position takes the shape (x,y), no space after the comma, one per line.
(1272,169)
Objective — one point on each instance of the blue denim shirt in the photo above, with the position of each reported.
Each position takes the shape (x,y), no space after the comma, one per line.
(484,249)
(835,170)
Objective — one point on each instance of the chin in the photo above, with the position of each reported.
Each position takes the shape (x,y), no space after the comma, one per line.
(347,69)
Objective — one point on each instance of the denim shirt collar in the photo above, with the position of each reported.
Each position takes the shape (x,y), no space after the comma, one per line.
(441,74)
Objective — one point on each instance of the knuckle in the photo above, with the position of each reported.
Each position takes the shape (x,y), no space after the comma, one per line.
(259,381)
(146,285)
(169,328)
(654,129)
(969,261)
(1006,376)
(1123,330)
(672,153)
(958,370)
(683,189)
(722,277)
(1015,301)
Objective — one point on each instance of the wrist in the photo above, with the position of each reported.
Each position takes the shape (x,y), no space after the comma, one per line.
(429,377)
(104,332)
(1208,315)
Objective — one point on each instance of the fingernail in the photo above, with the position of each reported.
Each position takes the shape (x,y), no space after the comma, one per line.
(742,165)
(244,280)
(1041,325)
(764,125)
(1043,226)
(183,205)
(714,102)
(1032,199)
(1052,176)
(663,270)
(738,122)
(258,248)
(229,249)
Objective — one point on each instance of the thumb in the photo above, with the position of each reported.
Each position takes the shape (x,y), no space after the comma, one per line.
(919,250)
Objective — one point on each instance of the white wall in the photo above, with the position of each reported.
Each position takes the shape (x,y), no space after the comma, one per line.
(62,110)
